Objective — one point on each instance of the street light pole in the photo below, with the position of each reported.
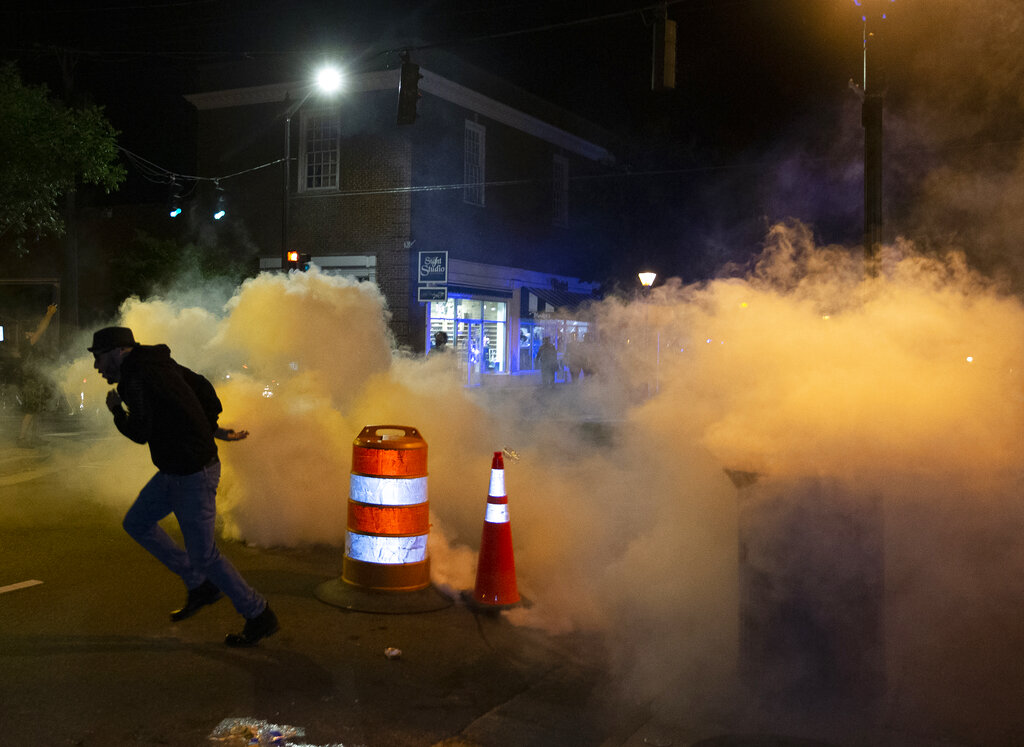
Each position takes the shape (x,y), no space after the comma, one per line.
(328,81)
(286,200)
(872,92)
(647,280)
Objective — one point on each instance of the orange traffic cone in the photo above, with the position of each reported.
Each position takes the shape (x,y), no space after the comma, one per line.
(496,568)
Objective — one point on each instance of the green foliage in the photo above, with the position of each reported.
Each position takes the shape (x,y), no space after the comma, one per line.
(45,150)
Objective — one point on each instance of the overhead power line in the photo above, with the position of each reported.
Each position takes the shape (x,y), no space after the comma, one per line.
(159,175)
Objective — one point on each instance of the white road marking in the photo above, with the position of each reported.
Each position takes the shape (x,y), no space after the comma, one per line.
(20,585)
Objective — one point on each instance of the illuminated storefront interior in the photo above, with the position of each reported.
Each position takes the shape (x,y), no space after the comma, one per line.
(496,326)
(477,331)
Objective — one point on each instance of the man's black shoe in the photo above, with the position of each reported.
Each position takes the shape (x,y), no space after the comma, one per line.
(204,594)
(256,628)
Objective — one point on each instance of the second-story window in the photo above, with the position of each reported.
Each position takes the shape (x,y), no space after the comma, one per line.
(560,191)
(321,151)
(473,170)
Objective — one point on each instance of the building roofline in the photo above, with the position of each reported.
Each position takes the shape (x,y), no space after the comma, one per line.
(431,83)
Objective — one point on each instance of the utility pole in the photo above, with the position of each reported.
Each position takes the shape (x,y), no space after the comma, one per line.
(872,93)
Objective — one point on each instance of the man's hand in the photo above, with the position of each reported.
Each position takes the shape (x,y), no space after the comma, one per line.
(227,434)
(114,401)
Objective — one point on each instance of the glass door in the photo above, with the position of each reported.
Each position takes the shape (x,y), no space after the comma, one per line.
(470,348)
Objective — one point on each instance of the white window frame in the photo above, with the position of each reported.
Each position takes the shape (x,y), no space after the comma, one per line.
(474,163)
(560,191)
(322,172)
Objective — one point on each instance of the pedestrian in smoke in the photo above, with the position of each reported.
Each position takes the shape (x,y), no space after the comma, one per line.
(33,388)
(440,341)
(573,358)
(175,411)
(547,361)
(587,355)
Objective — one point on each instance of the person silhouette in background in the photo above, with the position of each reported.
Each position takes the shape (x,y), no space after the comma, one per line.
(547,361)
(33,388)
(175,411)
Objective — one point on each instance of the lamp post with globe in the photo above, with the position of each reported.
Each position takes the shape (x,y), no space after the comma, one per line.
(647,280)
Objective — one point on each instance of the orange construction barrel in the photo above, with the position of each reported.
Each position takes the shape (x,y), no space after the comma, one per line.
(388,511)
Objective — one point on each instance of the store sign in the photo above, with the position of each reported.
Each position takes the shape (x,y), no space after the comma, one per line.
(428,293)
(433,267)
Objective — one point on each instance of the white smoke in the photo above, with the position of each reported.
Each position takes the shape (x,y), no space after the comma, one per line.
(872,422)
(904,388)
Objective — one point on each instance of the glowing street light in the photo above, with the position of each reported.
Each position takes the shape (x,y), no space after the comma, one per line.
(327,81)
(647,280)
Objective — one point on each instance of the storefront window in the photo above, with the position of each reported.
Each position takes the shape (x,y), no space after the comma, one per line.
(467,308)
(476,331)
(562,332)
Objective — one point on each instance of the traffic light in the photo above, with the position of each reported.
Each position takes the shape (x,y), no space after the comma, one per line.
(175,210)
(294,260)
(408,91)
(663,59)
(220,208)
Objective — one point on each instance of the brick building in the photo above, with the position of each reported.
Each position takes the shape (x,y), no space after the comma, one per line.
(515,192)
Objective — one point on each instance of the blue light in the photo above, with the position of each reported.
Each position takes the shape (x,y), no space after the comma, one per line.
(175,212)
(220,209)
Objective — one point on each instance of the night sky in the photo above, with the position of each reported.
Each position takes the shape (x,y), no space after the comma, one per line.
(761,127)
(744,65)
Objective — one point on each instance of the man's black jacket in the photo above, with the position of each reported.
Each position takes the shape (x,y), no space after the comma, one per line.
(171,408)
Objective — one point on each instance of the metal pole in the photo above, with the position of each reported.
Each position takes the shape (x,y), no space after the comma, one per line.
(871,120)
(287,187)
(286,191)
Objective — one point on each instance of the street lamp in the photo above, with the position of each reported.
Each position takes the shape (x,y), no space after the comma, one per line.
(328,80)
(647,280)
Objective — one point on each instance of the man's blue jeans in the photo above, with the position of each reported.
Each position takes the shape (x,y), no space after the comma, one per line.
(193,500)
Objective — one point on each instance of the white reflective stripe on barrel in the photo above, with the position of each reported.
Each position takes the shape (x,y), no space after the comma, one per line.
(388,491)
(497,483)
(371,548)
(497,513)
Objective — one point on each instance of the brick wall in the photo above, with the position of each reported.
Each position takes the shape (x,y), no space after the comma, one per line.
(368,214)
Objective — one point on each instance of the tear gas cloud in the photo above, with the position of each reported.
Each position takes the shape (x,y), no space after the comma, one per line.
(953,125)
(903,388)
(953,130)
(888,408)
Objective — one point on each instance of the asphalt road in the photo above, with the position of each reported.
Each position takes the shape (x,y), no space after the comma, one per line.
(89,656)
